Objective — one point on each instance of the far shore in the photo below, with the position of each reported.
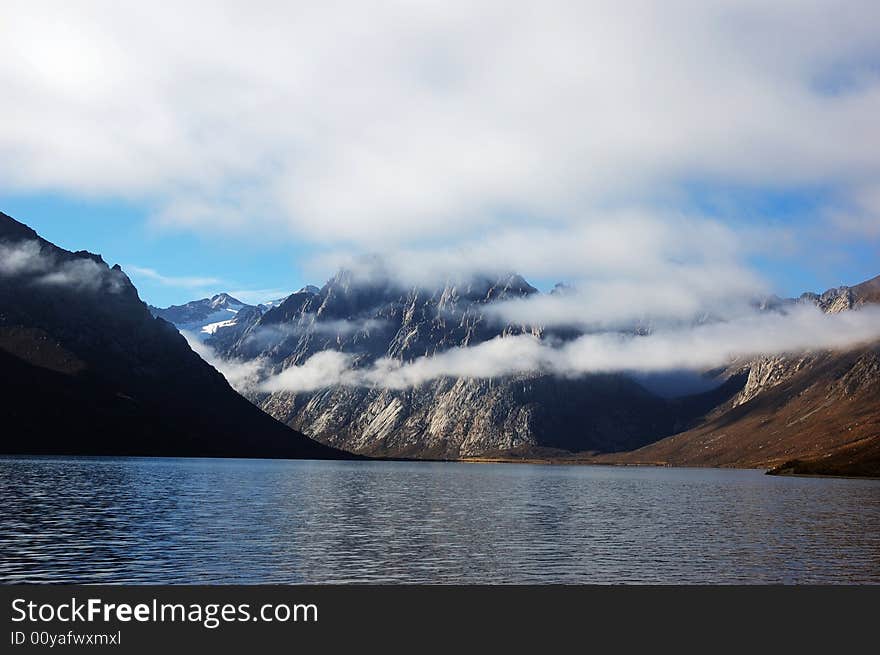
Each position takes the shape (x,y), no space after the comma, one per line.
(786,469)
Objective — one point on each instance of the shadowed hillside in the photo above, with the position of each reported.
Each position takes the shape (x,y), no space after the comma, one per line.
(87,370)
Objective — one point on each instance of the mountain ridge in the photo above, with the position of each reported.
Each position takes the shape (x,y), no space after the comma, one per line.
(88,370)
(609,418)
(442,418)
(465,418)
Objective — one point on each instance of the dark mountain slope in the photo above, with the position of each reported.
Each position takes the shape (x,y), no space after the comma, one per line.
(87,370)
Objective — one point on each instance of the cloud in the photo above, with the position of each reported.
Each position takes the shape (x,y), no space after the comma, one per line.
(561,140)
(365,123)
(82,274)
(861,218)
(622,266)
(21,258)
(171,281)
(323,369)
(29,260)
(241,375)
(804,328)
(337,328)
(630,243)
(688,295)
(271,335)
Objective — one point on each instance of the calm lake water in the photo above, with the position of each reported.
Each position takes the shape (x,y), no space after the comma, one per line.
(256,521)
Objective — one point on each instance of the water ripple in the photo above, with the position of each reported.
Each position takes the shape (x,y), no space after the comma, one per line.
(140,520)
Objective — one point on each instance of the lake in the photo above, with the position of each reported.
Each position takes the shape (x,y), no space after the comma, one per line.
(144,520)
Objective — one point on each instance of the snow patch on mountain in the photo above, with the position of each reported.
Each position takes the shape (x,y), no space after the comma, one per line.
(202,318)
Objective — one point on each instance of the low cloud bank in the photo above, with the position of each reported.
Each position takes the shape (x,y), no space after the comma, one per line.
(619,304)
(804,328)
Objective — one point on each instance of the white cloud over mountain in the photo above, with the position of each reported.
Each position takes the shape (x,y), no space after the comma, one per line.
(558,139)
(30,262)
(369,123)
(697,348)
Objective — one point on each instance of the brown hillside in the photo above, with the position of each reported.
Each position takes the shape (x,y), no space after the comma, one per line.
(826,416)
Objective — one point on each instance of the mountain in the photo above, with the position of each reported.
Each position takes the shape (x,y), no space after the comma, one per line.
(372,319)
(203,317)
(814,413)
(87,370)
(221,318)
(819,408)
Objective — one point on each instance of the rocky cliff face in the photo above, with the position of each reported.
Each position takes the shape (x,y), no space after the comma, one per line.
(88,370)
(766,372)
(446,417)
(462,417)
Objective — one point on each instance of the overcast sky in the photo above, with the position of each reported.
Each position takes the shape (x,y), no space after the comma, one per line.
(668,148)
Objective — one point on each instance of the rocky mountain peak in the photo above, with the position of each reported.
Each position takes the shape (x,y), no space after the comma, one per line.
(204,317)
(225,300)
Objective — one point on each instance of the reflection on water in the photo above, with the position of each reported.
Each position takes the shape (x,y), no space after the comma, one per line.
(258,521)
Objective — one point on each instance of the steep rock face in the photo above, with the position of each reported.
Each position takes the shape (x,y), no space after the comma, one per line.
(846,298)
(832,301)
(462,417)
(445,417)
(88,370)
(768,371)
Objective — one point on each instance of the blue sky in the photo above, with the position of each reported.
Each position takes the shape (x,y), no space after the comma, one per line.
(122,234)
(703,148)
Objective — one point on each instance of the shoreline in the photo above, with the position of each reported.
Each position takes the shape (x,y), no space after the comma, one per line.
(777,471)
